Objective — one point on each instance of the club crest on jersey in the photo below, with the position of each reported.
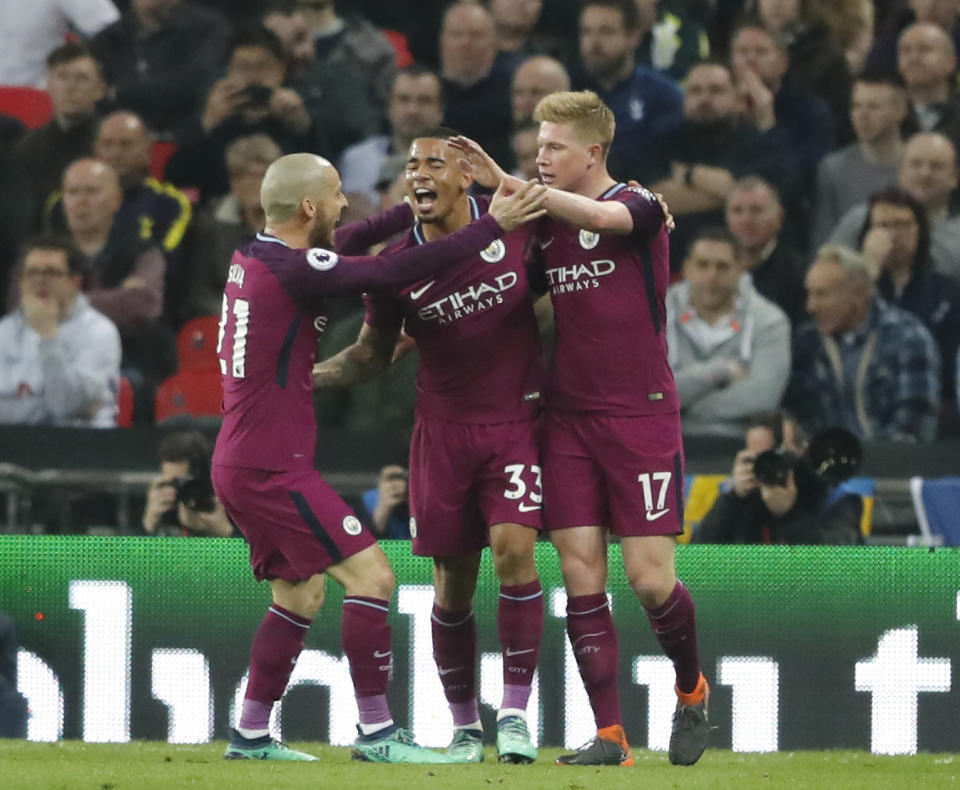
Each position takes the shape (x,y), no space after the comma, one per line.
(589,239)
(494,252)
(352,525)
(322,260)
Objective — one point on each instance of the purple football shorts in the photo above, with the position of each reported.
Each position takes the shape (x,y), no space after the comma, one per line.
(625,473)
(295,524)
(465,478)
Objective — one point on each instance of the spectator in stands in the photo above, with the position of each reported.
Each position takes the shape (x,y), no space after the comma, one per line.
(327,80)
(180,499)
(801,511)
(75,85)
(32,30)
(729,347)
(388,505)
(755,216)
(772,97)
(61,357)
(643,101)
(353,47)
(15,206)
(287,21)
(416,104)
(671,39)
(928,173)
(519,29)
(250,99)
(695,164)
(535,78)
(927,60)
(476,78)
(525,150)
(124,276)
(861,363)
(156,211)
(855,34)
(896,239)
(850,175)
(160,57)
(816,62)
(945,14)
(228,224)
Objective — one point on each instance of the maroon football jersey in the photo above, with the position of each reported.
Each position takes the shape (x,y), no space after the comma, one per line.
(273,315)
(476,333)
(608,295)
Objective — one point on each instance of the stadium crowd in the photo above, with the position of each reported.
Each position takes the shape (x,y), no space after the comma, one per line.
(808,151)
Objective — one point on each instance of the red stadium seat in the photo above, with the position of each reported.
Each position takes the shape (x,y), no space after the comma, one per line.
(124,403)
(196,393)
(197,344)
(162,151)
(30,105)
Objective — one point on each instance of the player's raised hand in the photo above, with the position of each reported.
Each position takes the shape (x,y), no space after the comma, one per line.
(486,171)
(523,205)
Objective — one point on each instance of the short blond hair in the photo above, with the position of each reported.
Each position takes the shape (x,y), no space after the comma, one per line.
(584,110)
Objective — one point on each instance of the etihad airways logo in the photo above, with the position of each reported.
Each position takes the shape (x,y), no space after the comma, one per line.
(474,299)
(580,276)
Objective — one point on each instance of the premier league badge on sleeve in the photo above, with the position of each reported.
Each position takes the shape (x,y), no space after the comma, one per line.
(322,260)
(589,239)
(494,252)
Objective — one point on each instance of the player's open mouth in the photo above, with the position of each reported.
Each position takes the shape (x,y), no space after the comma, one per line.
(426,199)
(546,178)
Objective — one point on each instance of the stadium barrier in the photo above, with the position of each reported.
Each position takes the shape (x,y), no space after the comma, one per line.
(806,648)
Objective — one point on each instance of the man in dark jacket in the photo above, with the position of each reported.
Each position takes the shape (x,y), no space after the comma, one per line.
(160,57)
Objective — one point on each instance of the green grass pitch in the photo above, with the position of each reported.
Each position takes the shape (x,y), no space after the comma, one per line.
(72,765)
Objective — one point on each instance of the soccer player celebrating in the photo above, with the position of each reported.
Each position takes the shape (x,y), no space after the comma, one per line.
(299,530)
(612,451)
(474,457)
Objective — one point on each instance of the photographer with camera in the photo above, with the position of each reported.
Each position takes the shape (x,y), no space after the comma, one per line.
(783,494)
(388,505)
(180,500)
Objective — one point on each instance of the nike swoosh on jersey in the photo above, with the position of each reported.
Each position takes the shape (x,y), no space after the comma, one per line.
(525,508)
(518,652)
(378,654)
(418,292)
(447,670)
(545,244)
(653,515)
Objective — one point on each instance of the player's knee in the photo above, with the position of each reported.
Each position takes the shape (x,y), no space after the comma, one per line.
(580,574)
(651,585)
(514,565)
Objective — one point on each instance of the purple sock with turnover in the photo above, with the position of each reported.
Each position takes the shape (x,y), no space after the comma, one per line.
(365,635)
(276,645)
(455,652)
(597,650)
(520,627)
(674,625)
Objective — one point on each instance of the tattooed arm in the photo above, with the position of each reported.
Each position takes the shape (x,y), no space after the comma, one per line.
(370,354)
